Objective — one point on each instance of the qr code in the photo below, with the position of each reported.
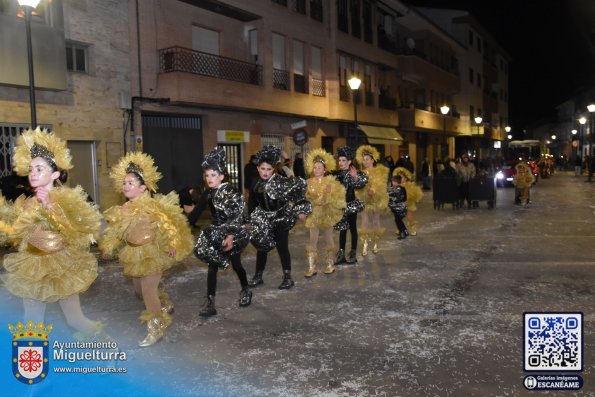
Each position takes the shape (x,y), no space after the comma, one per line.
(553,341)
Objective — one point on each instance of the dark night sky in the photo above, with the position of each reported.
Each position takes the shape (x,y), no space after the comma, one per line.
(552,45)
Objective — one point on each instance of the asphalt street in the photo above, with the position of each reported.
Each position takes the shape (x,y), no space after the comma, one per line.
(439,314)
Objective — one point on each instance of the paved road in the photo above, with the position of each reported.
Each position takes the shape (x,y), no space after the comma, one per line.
(439,314)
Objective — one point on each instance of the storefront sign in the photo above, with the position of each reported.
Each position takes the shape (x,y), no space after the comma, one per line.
(234,136)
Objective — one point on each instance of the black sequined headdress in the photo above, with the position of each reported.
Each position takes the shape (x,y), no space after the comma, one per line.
(269,154)
(215,160)
(346,151)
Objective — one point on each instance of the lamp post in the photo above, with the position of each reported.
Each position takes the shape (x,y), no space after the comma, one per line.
(28,6)
(444,110)
(582,121)
(478,121)
(354,84)
(591,109)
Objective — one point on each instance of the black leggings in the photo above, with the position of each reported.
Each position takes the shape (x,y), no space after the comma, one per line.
(282,245)
(236,264)
(399,222)
(352,220)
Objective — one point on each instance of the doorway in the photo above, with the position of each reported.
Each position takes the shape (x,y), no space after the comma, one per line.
(84,171)
(175,142)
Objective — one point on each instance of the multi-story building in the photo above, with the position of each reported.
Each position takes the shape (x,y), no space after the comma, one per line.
(174,78)
(81,65)
(484,82)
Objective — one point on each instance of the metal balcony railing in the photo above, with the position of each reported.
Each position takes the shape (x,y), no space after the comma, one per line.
(178,59)
(281,79)
(344,93)
(318,87)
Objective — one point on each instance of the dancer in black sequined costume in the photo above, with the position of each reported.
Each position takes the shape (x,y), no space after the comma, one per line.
(352,179)
(223,241)
(274,205)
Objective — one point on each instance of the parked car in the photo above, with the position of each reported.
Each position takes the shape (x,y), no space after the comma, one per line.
(505,175)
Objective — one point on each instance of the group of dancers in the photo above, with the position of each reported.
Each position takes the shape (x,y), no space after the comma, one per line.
(53,229)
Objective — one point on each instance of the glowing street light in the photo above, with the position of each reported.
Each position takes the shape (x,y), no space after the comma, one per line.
(444,110)
(354,84)
(478,121)
(591,109)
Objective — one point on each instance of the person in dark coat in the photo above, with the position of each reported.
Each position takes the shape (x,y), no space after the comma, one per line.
(250,174)
(298,166)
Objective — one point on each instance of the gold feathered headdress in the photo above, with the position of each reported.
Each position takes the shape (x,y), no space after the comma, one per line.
(139,163)
(319,156)
(403,171)
(37,143)
(368,151)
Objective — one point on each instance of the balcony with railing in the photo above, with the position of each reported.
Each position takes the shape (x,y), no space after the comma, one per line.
(178,59)
(318,87)
(281,79)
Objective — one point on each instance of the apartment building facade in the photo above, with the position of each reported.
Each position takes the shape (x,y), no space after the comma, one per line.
(81,64)
(174,78)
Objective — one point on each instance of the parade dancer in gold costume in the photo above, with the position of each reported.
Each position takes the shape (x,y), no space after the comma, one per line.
(148,234)
(53,231)
(374,195)
(327,196)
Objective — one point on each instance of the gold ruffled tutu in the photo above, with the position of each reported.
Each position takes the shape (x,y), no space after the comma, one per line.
(51,277)
(58,264)
(144,231)
(327,208)
(414,195)
(378,184)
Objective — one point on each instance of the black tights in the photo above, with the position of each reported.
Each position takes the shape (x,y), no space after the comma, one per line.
(282,245)
(236,264)
(399,222)
(352,220)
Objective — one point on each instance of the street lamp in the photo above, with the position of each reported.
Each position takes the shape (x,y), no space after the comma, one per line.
(354,84)
(28,6)
(478,121)
(444,110)
(591,109)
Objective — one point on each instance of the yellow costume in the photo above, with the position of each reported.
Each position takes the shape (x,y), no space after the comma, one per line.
(53,259)
(327,208)
(414,192)
(377,200)
(144,231)
(374,195)
(7,216)
(327,196)
(149,234)
(523,180)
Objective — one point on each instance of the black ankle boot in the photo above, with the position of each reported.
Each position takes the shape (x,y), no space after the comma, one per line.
(340,257)
(351,258)
(256,280)
(208,307)
(403,235)
(245,297)
(287,282)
